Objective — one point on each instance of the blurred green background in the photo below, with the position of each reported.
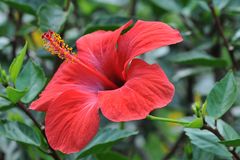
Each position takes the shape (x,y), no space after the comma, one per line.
(193,65)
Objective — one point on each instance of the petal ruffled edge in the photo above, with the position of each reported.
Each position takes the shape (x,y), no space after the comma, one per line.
(145,36)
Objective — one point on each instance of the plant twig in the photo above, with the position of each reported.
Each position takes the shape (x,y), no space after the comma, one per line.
(227,45)
(232,150)
(67,5)
(174,148)
(51,151)
(132,10)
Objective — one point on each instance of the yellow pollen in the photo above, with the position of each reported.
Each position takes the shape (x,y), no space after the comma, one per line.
(54,44)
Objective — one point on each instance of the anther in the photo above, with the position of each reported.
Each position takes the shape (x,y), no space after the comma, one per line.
(56,46)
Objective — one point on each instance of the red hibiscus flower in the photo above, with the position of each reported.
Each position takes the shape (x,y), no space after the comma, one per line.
(104,75)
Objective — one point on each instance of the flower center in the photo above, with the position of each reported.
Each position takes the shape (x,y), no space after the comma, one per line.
(56,46)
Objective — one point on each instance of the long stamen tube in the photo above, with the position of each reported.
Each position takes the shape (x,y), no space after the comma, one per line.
(56,46)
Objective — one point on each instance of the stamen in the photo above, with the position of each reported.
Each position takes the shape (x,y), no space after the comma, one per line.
(56,46)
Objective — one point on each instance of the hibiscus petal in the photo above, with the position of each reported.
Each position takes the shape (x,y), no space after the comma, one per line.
(69,76)
(98,50)
(72,121)
(146,88)
(143,37)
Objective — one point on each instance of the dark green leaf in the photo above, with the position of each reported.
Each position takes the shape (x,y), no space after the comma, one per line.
(210,121)
(168,5)
(52,17)
(219,5)
(105,23)
(33,78)
(4,104)
(91,29)
(234,142)
(188,72)
(19,132)
(236,35)
(16,65)
(28,6)
(199,154)
(110,156)
(105,139)
(226,130)
(222,96)
(110,20)
(198,58)
(207,141)
(15,95)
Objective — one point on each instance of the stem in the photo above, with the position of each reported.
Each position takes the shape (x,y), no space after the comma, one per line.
(122,125)
(176,146)
(227,45)
(67,5)
(132,10)
(51,151)
(153,118)
(235,156)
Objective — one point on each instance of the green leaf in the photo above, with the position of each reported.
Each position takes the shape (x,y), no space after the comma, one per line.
(106,23)
(189,72)
(236,36)
(222,96)
(105,139)
(28,6)
(16,65)
(233,143)
(3,76)
(91,29)
(207,141)
(15,95)
(110,156)
(219,5)
(52,17)
(226,130)
(4,104)
(210,121)
(33,78)
(198,58)
(199,154)
(168,5)
(19,132)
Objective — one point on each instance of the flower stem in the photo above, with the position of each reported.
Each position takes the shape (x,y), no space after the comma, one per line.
(153,118)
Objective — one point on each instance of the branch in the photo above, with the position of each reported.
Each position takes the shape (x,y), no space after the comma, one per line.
(67,5)
(232,150)
(132,10)
(180,140)
(51,151)
(227,45)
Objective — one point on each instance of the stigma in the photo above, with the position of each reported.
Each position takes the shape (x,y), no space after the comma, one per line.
(54,44)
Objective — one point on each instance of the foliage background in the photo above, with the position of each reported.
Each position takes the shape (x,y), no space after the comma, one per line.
(193,65)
